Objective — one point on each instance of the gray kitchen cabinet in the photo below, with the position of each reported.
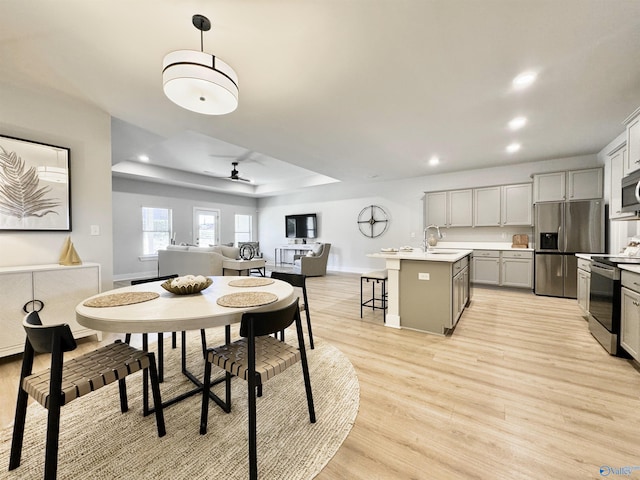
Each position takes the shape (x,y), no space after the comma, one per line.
(571,185)
(487,206)
(585,184)
(632,162)
(486,267)
(517,269)
(449,208)
(517,205)
(584,285)
(630,314)
(54,290)
(460,289)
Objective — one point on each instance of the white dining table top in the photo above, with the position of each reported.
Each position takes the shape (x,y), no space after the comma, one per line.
(171,313)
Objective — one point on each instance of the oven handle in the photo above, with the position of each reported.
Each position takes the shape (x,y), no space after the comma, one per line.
(611,273)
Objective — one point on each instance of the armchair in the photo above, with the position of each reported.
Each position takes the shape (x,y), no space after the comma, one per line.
(315,265)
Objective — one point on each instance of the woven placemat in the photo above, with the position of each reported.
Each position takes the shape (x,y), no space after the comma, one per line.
(247,299)
(251,282)
(119,299)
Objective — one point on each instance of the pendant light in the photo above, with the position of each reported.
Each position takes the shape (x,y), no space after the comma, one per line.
(199,81)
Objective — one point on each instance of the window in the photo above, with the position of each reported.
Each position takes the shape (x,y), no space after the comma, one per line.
(243,228)
(156,229)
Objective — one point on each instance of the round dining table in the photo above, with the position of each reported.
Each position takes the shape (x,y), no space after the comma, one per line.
(170,312)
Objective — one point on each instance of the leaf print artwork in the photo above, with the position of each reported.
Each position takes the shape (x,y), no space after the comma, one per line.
(20,192)
(35,186)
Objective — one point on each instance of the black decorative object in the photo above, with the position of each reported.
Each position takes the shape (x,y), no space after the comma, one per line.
(373,221)
(35,188)
(247,252)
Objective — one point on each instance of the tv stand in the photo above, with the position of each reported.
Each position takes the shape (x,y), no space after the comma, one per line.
(295,247)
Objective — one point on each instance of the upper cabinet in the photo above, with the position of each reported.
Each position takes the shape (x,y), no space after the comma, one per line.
(549,187)
(480,207)
(449,209)
(487,203)
(502,205)
(632,161)
(517,204)
(572,185)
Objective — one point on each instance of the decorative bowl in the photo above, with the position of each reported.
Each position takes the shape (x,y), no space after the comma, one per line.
(186,288)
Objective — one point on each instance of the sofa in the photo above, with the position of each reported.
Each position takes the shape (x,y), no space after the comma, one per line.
(189,260)
(314,263)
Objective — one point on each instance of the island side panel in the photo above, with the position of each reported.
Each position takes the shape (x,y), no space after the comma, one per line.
(425,305)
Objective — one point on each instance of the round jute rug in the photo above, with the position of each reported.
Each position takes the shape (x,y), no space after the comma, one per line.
(98,442)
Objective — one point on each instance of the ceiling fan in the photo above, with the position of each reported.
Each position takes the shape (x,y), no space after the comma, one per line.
(235,175)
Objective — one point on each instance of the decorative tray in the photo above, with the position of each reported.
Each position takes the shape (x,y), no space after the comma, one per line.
(186,285)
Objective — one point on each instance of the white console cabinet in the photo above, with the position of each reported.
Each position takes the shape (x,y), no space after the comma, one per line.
(53,290)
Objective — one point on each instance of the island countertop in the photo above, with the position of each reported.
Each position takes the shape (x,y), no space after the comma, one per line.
(436,255)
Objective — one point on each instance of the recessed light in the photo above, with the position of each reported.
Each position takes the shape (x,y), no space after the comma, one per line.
(524,80)
(143,158)
(517,123)
(434,160)
(513,147)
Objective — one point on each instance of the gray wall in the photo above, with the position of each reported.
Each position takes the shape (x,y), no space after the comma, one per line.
(49,117)
(130,195)
(338,207)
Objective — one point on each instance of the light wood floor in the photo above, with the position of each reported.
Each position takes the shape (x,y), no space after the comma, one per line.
(520,390)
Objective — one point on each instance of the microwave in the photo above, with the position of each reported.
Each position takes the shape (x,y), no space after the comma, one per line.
(631,192)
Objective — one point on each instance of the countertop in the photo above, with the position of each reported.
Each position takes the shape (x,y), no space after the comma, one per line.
(480,246)
(630,268)
(437,255)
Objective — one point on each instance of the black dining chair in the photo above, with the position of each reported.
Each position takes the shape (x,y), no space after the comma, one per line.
(256,357)
(66,381)
(299,281)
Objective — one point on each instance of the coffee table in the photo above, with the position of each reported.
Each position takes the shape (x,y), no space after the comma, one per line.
(240,266)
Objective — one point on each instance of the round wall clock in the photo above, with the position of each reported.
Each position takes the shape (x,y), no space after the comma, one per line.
(373,221)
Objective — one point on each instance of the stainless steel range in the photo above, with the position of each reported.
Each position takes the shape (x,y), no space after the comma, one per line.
(604,301)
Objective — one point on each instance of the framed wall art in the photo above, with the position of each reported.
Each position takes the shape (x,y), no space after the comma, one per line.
(35,186)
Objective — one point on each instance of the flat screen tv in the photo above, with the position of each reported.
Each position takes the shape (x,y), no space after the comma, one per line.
(301,226)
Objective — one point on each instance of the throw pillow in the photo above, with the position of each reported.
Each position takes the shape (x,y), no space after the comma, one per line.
(317,249)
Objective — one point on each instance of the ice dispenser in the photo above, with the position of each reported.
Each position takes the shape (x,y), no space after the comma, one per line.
(548,241)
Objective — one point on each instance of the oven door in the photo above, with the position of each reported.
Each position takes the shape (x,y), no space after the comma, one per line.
(604,296)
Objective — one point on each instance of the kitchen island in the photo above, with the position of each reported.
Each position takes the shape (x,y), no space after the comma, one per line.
(427,291)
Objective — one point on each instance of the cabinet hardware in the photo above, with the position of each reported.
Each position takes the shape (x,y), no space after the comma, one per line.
(635,302)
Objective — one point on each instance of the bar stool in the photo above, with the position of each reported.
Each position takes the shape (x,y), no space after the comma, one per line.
(375,303)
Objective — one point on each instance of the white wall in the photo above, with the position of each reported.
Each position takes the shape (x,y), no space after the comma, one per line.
(129,196)
(338,207)
(51,118)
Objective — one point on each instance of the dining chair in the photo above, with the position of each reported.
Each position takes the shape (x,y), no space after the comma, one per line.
(66,381)
(256,357)
(299,281)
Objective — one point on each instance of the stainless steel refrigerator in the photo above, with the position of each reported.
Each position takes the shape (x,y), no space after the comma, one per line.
(563,229)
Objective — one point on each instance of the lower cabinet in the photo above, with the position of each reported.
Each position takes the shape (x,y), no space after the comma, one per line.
(486,267)
(460,289)
(583,288)
(630,314)
(505,268)
(53,290)
(517,269)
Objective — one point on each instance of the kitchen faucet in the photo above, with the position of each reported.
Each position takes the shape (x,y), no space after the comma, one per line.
(425,245)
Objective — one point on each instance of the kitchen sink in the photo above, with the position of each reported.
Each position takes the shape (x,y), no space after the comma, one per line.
(443,252)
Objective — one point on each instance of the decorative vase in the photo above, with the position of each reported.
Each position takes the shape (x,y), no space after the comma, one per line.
(432,241)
